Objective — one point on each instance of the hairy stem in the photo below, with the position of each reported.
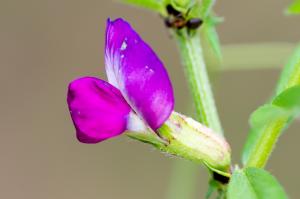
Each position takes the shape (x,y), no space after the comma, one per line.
(195,70)
(269,135)
(196,74)
(265,145)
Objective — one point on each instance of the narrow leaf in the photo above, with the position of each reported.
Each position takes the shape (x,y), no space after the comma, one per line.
(155,5)
(290,75)
(289,98)
(240,187)
(284,107)
(212,187)
(254,183)
(210,36)
(265,114)
(294,8)
(268,122)
(206,6)
(183,6)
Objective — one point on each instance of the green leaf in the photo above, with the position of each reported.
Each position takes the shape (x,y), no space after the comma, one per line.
(155,5)
(210,38)
(212,187)
(183,5)
(206,7)
(284,107)
(194,11)
(266,113)
(268,122)
(254,183)
(290,75)
(294,8)
(289,99)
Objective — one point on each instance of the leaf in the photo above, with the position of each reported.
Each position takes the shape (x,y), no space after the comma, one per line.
(210,36)
(155,5)
(290,75)
(183,6)
(285,106)
(254,183)
(270,120)
(265,114)
(206,6)
(289,99)
(261,117)
(294,8)
(212,187)
(194,11)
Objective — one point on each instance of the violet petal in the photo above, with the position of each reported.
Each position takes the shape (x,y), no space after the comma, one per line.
(133,67)
(97,108)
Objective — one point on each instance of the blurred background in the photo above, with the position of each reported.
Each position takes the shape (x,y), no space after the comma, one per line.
(45,44)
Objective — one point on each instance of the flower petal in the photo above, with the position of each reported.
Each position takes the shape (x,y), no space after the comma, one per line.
(97,108)
(133,67)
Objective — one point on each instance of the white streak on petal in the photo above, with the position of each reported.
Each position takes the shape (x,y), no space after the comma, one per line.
(135,124)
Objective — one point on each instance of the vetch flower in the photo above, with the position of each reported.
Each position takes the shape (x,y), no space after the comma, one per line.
(138,99)
(139,89)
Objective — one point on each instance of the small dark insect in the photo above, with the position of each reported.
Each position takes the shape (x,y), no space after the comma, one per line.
(175,22)
(194,23)
(178,20)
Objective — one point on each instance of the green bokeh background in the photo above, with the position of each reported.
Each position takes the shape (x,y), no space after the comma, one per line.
(47,43)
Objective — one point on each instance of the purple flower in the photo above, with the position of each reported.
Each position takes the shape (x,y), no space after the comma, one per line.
(139,91)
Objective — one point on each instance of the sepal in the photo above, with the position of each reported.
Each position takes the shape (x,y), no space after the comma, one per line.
(184,137)
(193,141)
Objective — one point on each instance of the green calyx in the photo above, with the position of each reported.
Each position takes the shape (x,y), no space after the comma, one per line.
(184,137)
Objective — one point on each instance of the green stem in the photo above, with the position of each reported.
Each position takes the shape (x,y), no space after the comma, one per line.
(196,73)
(266,143)
(269,135)
(195,70)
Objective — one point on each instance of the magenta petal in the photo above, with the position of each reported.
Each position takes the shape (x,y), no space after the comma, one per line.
(134,68)
(97,108)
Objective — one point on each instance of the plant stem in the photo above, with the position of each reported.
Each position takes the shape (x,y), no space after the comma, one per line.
(266,143)
(196,74)
(195,70)
(269,135)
